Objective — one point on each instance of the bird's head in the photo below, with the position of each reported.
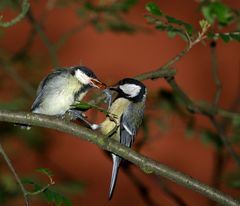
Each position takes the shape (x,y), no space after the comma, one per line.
(131,89)
(87,77)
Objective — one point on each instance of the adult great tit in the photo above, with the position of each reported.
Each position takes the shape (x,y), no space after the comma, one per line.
(128,108)
(58,91)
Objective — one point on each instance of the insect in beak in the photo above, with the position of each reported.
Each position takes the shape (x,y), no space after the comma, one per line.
(96,83)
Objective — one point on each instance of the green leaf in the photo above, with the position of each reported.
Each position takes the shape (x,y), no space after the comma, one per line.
(55,197)
(189,28)
(221,11)
(172,20)
(211,35)
(120,26)
(153,9)
(235,36)
(49,195)
(208,137)
(67,202)
(58,198)
(206,10)
(82,106)
(45,171)
(224,37)
(171,34)
(217,10)
(161,27)
(123,6)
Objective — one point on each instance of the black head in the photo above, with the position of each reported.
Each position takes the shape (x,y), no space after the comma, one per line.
(131,89)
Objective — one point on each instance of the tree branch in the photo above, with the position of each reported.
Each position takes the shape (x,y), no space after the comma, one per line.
(27,88)
(25,7)
(50,46)
(7,160)
(225,141)
(146,164)
(176,198)
(215,73)
(210,111)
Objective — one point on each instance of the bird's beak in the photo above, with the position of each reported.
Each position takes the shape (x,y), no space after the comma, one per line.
(114,87)
(98,84)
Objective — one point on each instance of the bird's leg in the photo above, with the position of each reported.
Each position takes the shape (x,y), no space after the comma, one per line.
(76,114)
(108,98)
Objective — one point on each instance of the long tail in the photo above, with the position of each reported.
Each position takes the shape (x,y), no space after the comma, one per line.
(116,163)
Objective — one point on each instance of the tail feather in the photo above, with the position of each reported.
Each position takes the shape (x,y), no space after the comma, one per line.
(116,163)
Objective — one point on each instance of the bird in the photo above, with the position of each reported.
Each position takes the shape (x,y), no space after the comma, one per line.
(60,89)
(128,110)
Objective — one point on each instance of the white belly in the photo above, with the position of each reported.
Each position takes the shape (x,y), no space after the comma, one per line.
(56,104)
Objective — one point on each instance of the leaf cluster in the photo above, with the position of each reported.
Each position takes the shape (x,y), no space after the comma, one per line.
(108,16)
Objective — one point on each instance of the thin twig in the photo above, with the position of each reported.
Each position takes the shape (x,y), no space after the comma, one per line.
(146,164)
(215,74)
(22,52)
(70,33)
(209,111)
(27,88)
(142,189)
(225,140)
(25,7)
(7,160)
(176,198)
(50,46)
(165,71)
(217,171)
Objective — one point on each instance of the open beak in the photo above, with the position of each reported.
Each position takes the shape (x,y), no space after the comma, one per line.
(96,83)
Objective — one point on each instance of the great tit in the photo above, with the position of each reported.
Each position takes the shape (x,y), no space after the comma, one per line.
(128,108)
(58,91)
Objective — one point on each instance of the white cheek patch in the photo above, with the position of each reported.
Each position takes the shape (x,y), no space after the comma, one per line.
(83,78)
(132,90)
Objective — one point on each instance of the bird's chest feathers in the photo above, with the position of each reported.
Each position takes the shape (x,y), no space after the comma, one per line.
(63,97)
(68,91)
(117,109)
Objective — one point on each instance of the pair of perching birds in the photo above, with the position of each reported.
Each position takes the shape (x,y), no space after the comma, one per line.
(63,87)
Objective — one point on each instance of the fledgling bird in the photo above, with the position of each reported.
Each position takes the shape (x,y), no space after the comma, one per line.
(128,107)
(58,91)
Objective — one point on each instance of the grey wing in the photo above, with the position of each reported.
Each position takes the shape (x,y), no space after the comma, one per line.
(49,77)
(130,121)
(43,84)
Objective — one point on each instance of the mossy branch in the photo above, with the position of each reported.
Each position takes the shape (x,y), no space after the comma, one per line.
(146,164)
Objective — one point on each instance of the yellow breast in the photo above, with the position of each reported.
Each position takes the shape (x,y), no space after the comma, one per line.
(117,108)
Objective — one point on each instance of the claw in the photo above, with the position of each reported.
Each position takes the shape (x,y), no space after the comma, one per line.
(108,99)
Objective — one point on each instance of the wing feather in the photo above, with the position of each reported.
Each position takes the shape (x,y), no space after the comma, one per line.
(130,120)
